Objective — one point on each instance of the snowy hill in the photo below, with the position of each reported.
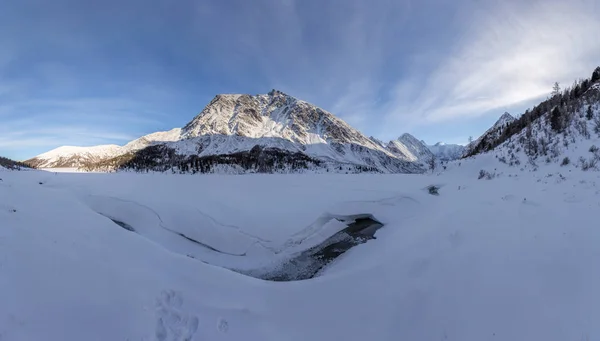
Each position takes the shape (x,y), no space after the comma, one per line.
(233,124)
(73,157)
(410,148)
(447,152)
(562,130)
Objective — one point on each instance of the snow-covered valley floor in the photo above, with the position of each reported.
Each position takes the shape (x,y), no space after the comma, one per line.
(512,258)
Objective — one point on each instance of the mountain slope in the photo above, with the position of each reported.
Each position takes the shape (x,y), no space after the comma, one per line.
(273,115)
(491,134)
(563,130)
(232,124)
(410,148)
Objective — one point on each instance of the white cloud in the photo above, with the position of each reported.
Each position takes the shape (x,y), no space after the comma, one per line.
(511,54)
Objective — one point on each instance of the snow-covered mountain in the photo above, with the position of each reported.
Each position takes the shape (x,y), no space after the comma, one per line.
(238,123)
(74,157)
(491,134)
(71,156)
(410,148)
(377,141)
(447,152)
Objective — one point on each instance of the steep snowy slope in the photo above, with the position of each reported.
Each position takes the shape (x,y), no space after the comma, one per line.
(410,148)
(377,141)
(447,152)
(491,134)
(273,115)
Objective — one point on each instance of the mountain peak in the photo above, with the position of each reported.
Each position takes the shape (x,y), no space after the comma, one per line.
(275,114)
(408,137)
(409,148)
(505,118)
(275,92)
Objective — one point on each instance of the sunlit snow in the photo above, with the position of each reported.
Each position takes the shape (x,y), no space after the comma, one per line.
(512,258)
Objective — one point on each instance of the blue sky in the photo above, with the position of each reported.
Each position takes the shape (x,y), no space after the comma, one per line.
(96,72)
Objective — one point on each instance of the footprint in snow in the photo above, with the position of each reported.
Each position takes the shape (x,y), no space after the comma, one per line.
(509,197)
(573,199)
(174,324)
(223,326)
(455,238)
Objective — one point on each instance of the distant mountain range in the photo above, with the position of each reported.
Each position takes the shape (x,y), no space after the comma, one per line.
(447,152)
(274,132)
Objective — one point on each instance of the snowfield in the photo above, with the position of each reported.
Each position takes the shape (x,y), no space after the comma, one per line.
(512,258)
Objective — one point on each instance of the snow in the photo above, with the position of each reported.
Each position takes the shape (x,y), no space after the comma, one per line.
(512,258)
(62,155)
(447,152)
(409,148)
(492,133)
(144,141)
(68,151)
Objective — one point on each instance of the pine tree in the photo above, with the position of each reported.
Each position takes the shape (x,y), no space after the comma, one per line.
(432,163)
(555,89)
(596,75)
(589,114)
(556,120)
(597,125)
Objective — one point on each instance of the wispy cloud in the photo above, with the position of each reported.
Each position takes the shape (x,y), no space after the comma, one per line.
(510,54)
(83,73)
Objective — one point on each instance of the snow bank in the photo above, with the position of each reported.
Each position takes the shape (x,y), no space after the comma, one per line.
(513,258)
